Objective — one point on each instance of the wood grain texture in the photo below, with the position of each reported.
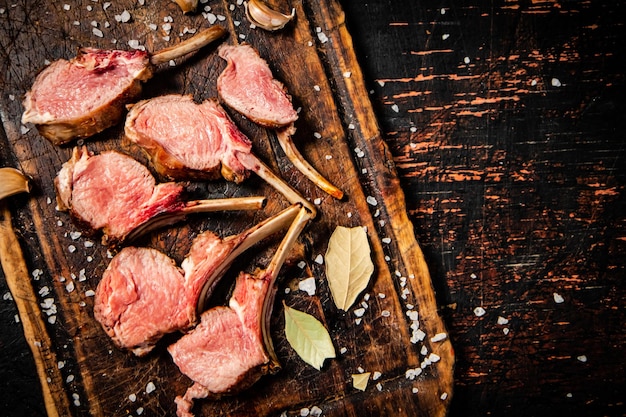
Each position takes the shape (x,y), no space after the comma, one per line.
(337,133)
(505,121)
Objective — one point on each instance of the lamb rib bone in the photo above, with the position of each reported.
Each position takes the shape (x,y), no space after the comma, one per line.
(231,348)
(248,86)
(89,93)
(185,139)
(136,313)
(115,193)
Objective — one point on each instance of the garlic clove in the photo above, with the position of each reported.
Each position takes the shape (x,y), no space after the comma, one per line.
(187,6)
(265,17)
(12,181)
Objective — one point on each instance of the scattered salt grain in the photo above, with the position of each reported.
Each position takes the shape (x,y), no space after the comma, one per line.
(381,295)
(7,296)
(433,357)
(557,298)
(132,398)
(328,157)
(69,287)
(413,315)
(376,375)
(76,399)
(52,319)
(322,37)
(316,411)
(417,336)
(505,331)
(414,390)
(221,18)
(412,373)
(90,293)
(438,337)
(534,82)
(385,313)
(479,311)
(307,285)
(70,378)
(424,350)
(60,364)
(555,82)
(319,259)
(381,83)
(358,321)
(304,412)
(379,386)
(386,240)
(88,244)
(443,11)
(106,5)
(66,7)
(343,350)
(124,17)
(395,108)
(317,135)
(359,312)
(150,387)
(347,74)
(444,396)
(502,320)
(71,248)
(242,36)
(371,200)
(582,358)
(75,235)
(317,201)
(445,36)
(466,60)
(172,63)
(317,88)
(139,411)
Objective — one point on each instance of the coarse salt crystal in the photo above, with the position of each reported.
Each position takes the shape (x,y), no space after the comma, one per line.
(438,337)
(316,411)
(347,74)
(125,16)
(358,321)
(395,108)
(150,387)
(385,313)
(307,285)
(24,129)
(445,36)
(466,60)
(322,37)
(139,411)
(75,235)
(376,375)
(343,350)
(90,293)
(433,357)
(424,350)
(371,200)
(317,201)
(97,32)
(558,298)
(221,17)
(413,315)
(304,412)
(69,378)
(359,312)
(479,311)
(106,5)
(502,320)
(317,135)
(386,240)
(555,82)
(582,358)
(66,7)
(379,386)
(70,286)
(444,396)
(505,330)
(317,88)
(71,248)
(319,259)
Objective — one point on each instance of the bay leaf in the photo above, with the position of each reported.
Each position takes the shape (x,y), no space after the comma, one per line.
(308,337)
(348,264)
(359,381)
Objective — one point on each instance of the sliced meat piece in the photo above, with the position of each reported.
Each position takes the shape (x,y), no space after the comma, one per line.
(248,86)
(188,140)
(231,348)
(87,94)
(115,193)
(143,295)
(184,139)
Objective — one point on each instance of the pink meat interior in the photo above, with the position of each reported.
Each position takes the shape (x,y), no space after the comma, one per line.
(70,89)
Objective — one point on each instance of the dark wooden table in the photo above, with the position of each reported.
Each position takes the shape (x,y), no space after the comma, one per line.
(506,124)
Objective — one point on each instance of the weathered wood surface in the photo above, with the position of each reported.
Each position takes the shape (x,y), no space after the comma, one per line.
(509,140)
(315,59)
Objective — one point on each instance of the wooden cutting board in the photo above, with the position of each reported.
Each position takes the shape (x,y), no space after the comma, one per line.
(337,132)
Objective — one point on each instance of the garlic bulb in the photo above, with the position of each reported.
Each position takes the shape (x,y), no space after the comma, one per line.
(265,17)
(12,181)
(187,6)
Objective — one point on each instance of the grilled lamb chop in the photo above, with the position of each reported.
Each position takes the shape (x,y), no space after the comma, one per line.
(184,139)
(115,193)
(81,97)
(144,295)
(231,348)
(248,86)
